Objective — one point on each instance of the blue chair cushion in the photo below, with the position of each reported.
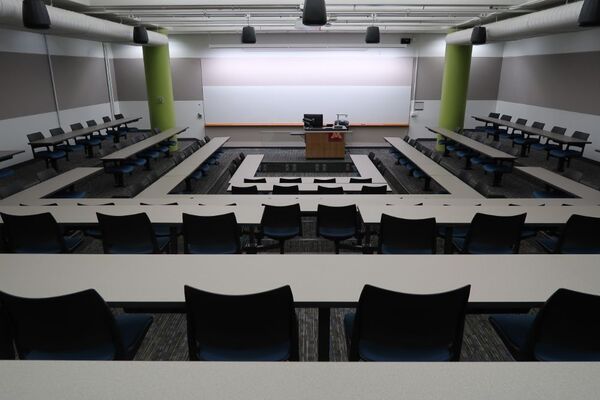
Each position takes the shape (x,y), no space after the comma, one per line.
(337,233)
(133,328)
(371,351)
(497,168)
(150,154)
(564,352)
(197,174)
(275,352)
(464,153)
(138,162)
(417,173)
(513,329)
(538,194)
(5,173)
(475,248)
(281,232)
(564,153)
(120,169)
(56,154)
(479,160)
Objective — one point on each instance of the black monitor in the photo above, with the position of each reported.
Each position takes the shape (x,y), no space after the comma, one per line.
(313,120)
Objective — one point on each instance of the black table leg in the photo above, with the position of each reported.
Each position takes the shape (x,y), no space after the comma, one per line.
(324,317)
(448,246)
(173,235)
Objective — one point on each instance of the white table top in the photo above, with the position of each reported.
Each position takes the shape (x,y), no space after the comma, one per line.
(451,183)
(366,168)
(311,187)
(142,145)
(51,185)
(168,380)
(158,214)
(172,178)
(562,183)
(464,215)
(309,201)
(247,169)
(473,144)
(313,278)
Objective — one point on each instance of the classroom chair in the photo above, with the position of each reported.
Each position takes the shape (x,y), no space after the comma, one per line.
(406,236)
(130,234)
(491,234)
(579,236)
(217,234)
(337,223)
(281,223)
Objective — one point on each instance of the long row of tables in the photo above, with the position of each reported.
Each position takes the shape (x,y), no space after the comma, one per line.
(156,281)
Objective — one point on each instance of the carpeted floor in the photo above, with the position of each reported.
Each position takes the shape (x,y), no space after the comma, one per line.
(166,339)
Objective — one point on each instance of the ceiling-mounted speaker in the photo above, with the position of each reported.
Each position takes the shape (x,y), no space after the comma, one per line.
(314,13)
(35,14)
(590,13)
(248,35)
(372,34)
(140,35)
(479,35)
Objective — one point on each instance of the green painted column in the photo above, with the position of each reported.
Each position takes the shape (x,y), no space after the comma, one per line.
(454,88)
(159,88)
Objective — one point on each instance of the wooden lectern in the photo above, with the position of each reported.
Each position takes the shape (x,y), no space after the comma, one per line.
(325,143)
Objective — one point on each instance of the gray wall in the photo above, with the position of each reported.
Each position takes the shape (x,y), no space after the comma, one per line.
(26,85)
(131,83)
(568,82)
(80,81)
(483,81)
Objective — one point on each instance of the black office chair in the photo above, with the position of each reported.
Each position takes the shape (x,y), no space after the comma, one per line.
(38,233)
(116,133)
(324,180)
(252,327)
(91,123)
(549,144)
(130,234)
(527,140)
(290,180)
(566,328)
(406,236)
(330,189)
(293,189)
(565,155)
(361,180)
(337,223)
(217,234)
(89,142)
(66,146)
(381,189)
(50,157)
(579,236)
(492,234)
(77,326)
(7,350)
(394,326)
(255,180)
(281,223)
(244,189)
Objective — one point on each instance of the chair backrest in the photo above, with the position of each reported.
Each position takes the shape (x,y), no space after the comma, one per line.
(330,189)
(255,180)
(32,137)
(406,138)
(407,236)
(582,136)
(324,180)
(91,122)
(56,131)
(278,217)
(559,130)
(343,217)
(580,236)
(46,174)
(127,234)
(573,174)
(437,157)
(106,119)
(521,121)
(566,328)
(288,189)
(405,324)
(290,180)
(46,238)
(119,116)
(242,327)
(371,155)
(242,156)
(244,189)
(492,234)
(506,117)
(73,326)
(216,234)
(361,180)
(494,115)
(380,189)
(76,126)
(538,125)
(7,350)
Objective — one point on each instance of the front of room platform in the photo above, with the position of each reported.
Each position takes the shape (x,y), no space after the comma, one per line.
(296,201)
